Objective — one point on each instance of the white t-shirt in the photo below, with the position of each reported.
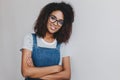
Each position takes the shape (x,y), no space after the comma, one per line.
(28,44)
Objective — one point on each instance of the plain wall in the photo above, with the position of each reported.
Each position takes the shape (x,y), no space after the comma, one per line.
(94,44)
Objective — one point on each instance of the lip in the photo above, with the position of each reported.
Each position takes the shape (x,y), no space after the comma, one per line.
(53,28)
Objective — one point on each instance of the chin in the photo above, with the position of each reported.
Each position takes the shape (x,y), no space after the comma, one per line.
(52,31)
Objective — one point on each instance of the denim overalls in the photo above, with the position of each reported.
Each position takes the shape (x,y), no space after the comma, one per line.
(42,56)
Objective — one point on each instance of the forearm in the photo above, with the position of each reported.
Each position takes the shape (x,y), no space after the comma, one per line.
(38,72)
(29,70)
(63,75)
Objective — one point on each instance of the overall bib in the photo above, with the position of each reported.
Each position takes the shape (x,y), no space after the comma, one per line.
(43,56)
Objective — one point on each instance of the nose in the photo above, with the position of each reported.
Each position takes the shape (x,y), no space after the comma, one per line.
(55,23)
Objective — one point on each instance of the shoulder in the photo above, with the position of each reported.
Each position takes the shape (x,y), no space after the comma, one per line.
(65,50)
(63,45)
(28,36)
(28,41)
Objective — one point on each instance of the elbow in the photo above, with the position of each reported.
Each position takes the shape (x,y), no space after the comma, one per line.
(24,73)
(67,76)
(27,73)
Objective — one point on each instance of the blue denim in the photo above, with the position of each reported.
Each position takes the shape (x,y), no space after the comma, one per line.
(43,56)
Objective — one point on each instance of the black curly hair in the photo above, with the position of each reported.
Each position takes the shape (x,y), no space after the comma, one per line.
(64,33)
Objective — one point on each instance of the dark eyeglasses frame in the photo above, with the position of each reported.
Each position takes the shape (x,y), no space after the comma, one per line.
(53,19)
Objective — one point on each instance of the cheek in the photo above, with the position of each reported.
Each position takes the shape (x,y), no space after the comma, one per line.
(59,28)
(48,24)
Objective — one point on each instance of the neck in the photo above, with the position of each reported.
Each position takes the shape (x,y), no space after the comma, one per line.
(49,37)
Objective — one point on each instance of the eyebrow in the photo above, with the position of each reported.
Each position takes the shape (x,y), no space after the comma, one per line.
(56,17)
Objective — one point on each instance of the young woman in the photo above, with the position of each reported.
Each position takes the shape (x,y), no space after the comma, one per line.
(43,56)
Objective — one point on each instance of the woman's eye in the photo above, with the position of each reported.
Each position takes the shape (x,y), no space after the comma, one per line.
(61,22)
(53,17)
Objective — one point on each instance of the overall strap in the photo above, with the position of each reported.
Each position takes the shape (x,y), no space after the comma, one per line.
(58,46)
(34,40)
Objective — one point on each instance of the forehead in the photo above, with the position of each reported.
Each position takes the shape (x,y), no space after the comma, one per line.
(58,14)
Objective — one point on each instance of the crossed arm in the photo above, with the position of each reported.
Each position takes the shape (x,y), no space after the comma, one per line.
(56,72)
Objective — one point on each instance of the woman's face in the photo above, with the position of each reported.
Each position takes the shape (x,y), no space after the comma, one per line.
(55,21)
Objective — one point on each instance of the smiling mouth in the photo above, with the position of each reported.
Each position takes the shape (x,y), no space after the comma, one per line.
(53,28)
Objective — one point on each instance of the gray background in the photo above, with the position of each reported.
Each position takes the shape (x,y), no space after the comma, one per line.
(94,44)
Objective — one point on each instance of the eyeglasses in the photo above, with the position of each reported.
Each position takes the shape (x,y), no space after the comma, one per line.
(53,19)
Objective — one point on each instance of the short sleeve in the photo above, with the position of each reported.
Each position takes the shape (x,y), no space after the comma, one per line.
(63,50)
(28,42)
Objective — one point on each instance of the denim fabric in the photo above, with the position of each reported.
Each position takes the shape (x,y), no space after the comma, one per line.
(32,79)
(44,56)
